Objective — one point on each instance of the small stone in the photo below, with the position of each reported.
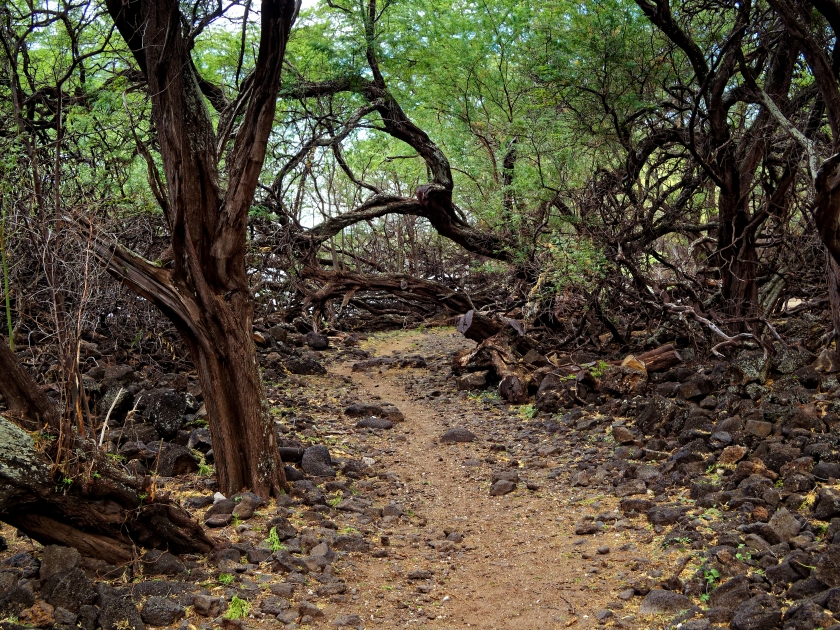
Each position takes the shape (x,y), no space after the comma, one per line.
(603,614)
(502,487)
(306,608)
(347,621)
(603,550)
(622,435)
(784,525)
(457,435)
(208,606)
(732,455)
(219,520)
(317,341)
(317,461)
(586,528)
(664,602)
(39,615)
(374,423)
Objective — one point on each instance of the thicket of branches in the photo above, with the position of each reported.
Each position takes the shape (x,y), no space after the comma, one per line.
(587,165)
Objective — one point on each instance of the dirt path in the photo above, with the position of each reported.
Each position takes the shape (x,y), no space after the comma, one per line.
(520,566)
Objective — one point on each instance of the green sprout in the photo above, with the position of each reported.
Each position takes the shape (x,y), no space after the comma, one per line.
(239,608)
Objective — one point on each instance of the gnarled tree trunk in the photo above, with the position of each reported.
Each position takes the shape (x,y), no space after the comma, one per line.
(207,295)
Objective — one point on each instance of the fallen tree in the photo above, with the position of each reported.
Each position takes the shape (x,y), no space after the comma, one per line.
(74,496)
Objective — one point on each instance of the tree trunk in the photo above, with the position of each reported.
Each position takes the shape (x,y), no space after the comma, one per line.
(220,341)
(26,402)
(207,294)
(736,255)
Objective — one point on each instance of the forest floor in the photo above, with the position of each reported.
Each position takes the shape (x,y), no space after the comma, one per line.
(418,540)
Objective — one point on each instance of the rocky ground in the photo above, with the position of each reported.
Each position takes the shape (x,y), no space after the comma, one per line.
(706,497)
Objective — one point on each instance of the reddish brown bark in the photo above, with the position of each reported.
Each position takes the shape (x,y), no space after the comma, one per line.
(206,294)
(26,402)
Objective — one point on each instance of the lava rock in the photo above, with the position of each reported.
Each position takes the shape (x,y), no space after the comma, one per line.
(69,589)
(165,409)
(56,559)
(119,613)
(156,562)
(731,593)
(317,341)
(502,487)
(457,435)
(176,460)
(317,461)
(757,613)
(160,611)
(374,423)
(208,606)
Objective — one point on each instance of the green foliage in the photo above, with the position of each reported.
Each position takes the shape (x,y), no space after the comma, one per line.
(273,541)
(225,578)
(238,609)
(598,369)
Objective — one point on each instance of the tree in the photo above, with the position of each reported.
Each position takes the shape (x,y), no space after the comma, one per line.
(206,295)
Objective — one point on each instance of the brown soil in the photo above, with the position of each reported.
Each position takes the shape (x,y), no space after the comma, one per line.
(520,566)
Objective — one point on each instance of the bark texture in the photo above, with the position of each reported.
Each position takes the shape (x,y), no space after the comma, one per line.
(206,294)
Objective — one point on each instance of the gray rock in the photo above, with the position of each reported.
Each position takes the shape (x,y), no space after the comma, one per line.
(828,504)
(758,613)
(275,605)
(502,487)
(307,608)
(457,434)
(731,593)
(630,488)
(208,606)
(56,559)
(472,381)
(659,602)
(165,409)
(160,611)
(374,423)
(784,525)
(347,621)
(119,613)
(70,589)
(317,461)
(200,440)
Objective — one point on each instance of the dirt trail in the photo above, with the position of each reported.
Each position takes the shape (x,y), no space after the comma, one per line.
(520,565)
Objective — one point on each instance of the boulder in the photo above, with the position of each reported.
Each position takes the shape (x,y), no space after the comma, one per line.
(160,611)
(165,409)
(317,461)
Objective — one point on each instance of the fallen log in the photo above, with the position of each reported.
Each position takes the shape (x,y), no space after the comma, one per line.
(477,327)
(657,360)
(513,379)
(660,359)
(104,512)
(63,490)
